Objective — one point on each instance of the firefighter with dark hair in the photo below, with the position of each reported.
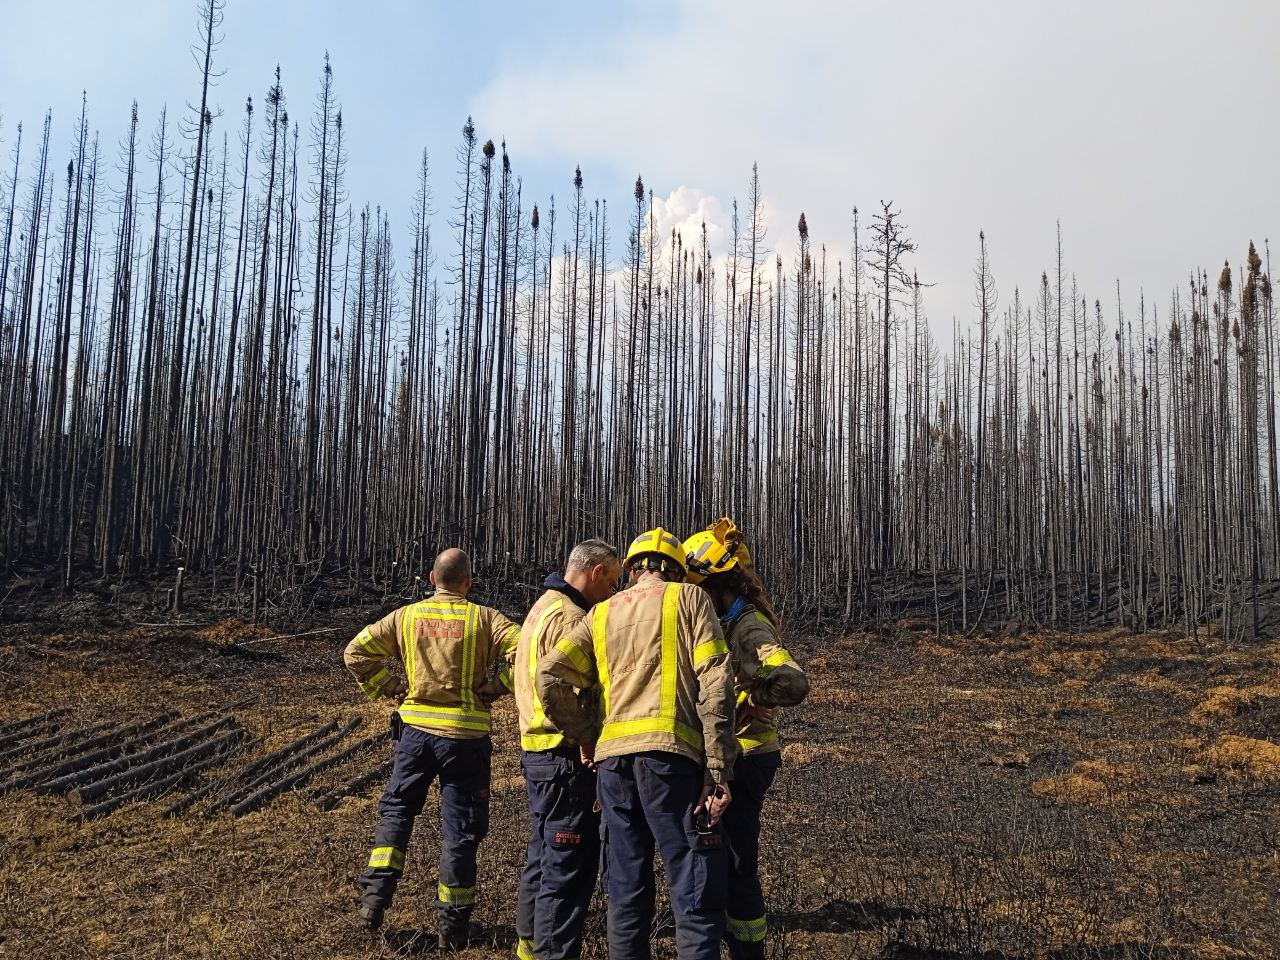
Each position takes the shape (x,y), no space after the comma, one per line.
(766,678)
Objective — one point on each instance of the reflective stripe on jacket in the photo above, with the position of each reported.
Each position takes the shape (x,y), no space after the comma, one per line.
(551,618)
(450,649)
(765,677)
(657,656)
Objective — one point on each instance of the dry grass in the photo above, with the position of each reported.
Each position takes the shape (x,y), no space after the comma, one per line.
(1044,795)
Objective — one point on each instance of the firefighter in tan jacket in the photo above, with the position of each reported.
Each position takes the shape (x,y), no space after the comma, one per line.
(662,738)
(457,658)
(766,678)
(564,828)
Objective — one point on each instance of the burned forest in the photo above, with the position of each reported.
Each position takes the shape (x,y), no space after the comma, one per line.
(216,364)
(1025,561)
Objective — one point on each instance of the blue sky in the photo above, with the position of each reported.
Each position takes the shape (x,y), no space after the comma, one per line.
(1147,128)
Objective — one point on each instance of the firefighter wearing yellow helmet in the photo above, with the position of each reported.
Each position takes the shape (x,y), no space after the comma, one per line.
(662,737)
(766,678)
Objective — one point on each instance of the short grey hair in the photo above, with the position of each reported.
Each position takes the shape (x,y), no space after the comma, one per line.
(592,553)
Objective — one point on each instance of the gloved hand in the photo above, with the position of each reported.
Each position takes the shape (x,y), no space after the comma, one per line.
(748,711)
(396,691)
(489,692)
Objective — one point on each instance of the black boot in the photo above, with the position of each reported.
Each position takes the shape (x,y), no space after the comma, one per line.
(453,939)
(371,917)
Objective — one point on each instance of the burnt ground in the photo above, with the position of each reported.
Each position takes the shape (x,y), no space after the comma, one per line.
(1109,795)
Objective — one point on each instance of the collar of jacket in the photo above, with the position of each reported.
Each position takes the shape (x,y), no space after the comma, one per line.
(740,607)
(448,596)
(556,581)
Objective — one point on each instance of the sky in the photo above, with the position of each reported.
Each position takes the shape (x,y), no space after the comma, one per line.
(1148,130)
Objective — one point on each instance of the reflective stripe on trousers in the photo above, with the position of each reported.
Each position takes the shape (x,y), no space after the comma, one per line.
(462,767)
(745,925)
(563,854)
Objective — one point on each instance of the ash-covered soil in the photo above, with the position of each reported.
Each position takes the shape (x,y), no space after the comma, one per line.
(1034,795)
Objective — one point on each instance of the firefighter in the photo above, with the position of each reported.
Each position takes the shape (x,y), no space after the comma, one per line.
(457,658)
(662,738)
(564,829)
(766,678)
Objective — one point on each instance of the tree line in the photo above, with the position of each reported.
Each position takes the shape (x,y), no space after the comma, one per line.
(210,357)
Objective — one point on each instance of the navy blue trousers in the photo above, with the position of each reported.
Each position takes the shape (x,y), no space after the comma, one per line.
(648,800)
(563,855)
(463,769)
(746,927)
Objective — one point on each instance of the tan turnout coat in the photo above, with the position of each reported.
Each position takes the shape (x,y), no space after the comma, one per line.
(451,649)
(657,656)
(550,619)
(766,677)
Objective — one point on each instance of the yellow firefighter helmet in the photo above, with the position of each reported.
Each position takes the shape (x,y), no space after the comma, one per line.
(718,549)
(656,541)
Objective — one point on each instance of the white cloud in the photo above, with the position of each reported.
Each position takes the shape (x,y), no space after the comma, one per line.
(1003,116)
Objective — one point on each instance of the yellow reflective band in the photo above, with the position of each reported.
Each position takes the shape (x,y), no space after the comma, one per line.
(536,641)
(763,619)
(599,619)
(407,643)
(436,716)
(373,686)
(510,638)
(469,659)
(457,896)
(670,609)
(364,640)
(630,728)
(535,740)
(751,741)
(524,949)
(742,696)
(540,741)
(705,651)
(772,663)
(747,931)
(386,858)
(576,656)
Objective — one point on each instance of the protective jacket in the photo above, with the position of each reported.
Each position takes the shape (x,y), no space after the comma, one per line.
(658,657)
(765,677)
(451,649)
(556,611)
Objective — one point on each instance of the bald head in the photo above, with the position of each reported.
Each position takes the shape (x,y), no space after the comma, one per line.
(452,571)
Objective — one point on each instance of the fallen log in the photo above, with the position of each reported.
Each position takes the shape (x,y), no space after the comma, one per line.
(127,739)
(221,785)
(42,746)
(287,762)
(112,767)
(327,801)
(16,727)
(137,774)
(31,727)
(159,788)
(297,779)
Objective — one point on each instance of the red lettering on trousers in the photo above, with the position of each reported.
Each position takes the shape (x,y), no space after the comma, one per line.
(568,838)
